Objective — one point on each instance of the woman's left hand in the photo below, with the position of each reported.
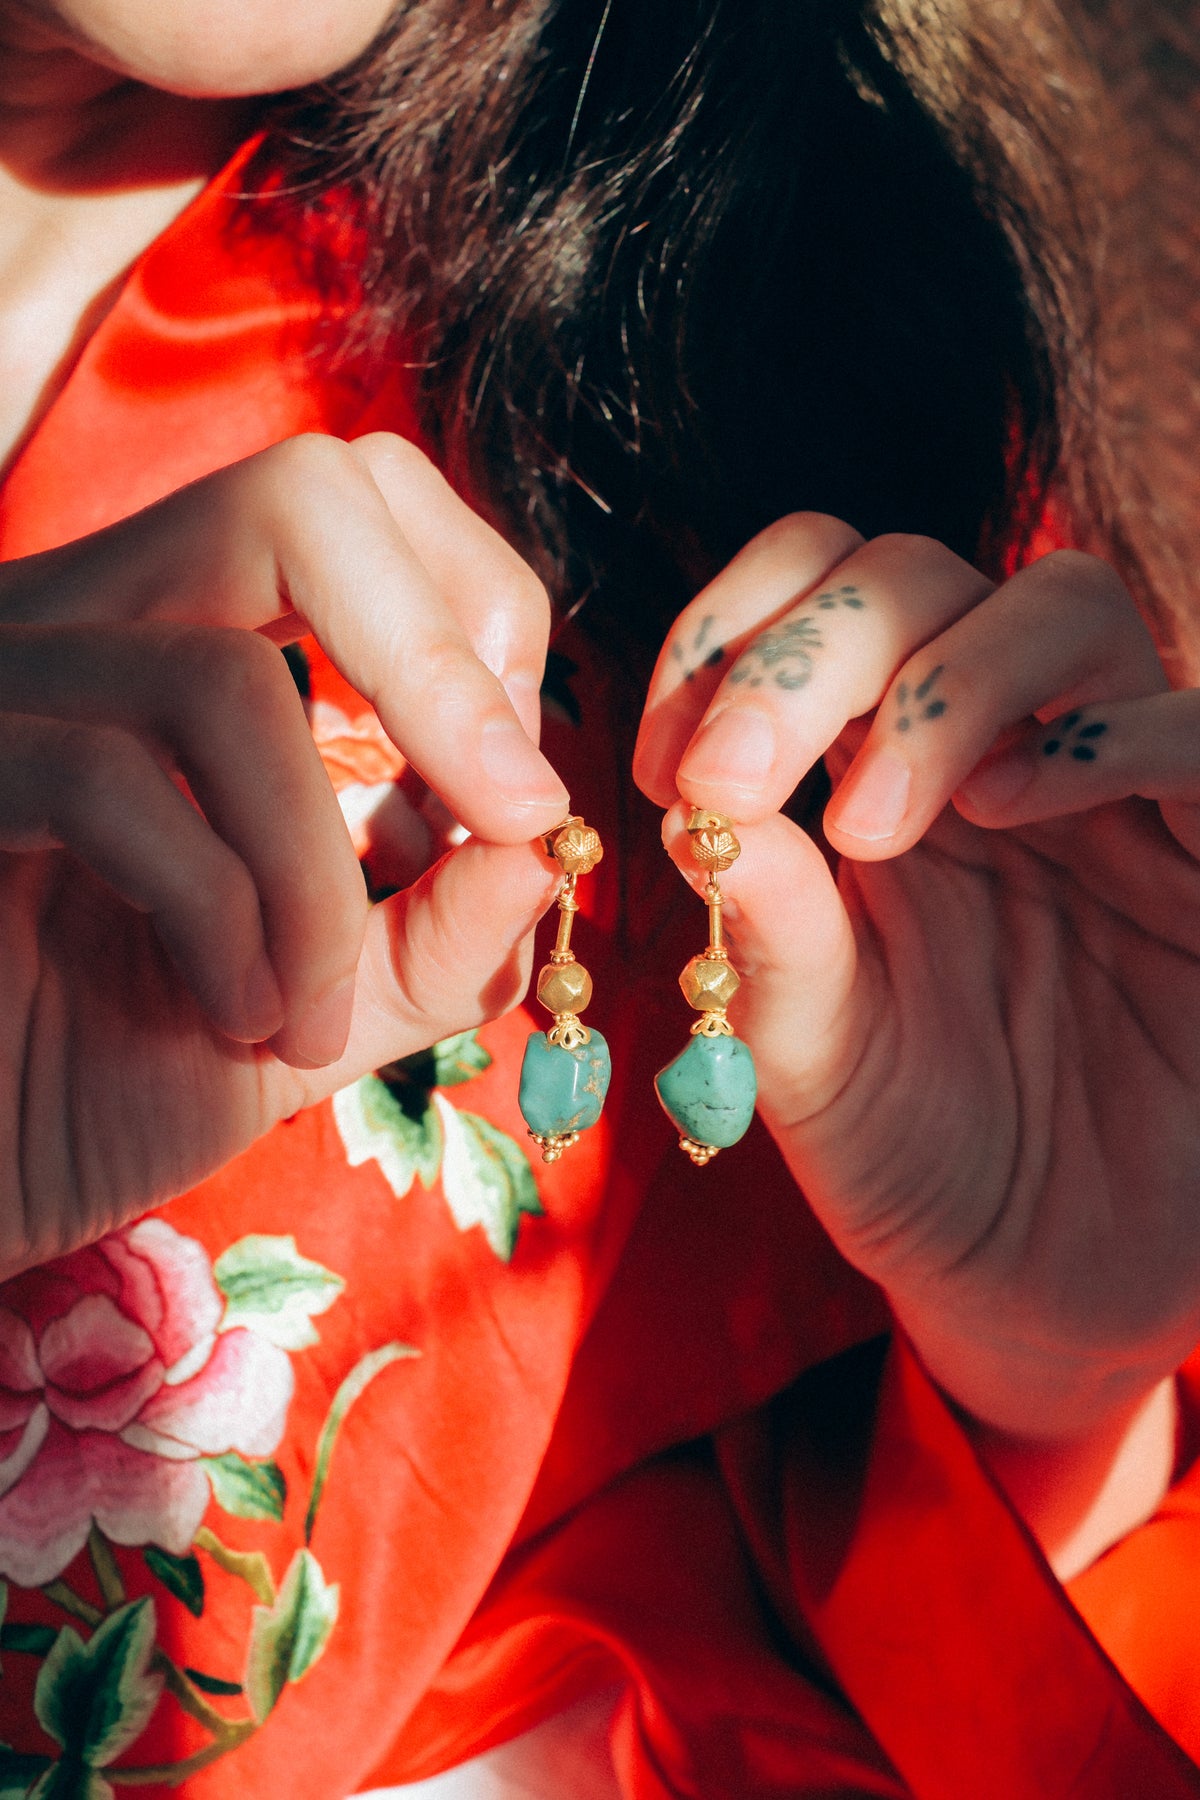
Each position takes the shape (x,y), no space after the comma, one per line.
(978,1040)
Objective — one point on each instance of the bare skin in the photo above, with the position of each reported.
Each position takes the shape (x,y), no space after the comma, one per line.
(975,1042)
(946,1031)
(113,114)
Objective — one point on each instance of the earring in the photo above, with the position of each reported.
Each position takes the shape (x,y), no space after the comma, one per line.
(709,1091)
(565,1071)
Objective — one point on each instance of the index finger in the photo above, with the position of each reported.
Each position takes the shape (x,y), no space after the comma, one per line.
(302,537)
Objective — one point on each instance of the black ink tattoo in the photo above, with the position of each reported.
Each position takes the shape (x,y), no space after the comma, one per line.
(784,654)
(920,702)
(847,596)
(1070,734)
(699,657)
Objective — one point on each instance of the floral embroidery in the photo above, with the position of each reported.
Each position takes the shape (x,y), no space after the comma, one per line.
(115,1385)
(138,1384)
(396,1119)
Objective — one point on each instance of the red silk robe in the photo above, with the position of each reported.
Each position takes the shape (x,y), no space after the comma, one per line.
(382,1445)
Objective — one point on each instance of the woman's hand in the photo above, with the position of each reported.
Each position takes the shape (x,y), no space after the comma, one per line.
(978,1042)
(179,973)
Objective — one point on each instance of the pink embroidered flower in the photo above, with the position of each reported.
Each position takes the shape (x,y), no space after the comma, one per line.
(114,1380)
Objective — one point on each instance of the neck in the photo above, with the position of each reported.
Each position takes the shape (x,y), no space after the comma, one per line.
(68,126)
(93,166)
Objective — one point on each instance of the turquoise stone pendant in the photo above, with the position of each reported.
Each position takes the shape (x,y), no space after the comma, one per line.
(708,1093)
(562,1090)
(565,1071)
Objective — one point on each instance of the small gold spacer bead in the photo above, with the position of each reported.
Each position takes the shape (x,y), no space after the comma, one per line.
(699,1153)
(553,1146)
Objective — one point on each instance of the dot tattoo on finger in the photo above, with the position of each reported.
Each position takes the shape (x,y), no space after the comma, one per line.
(698,655)
(1074,737)
(919,703)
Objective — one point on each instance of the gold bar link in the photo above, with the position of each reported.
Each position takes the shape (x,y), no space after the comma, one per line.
(568,906)
(716,936)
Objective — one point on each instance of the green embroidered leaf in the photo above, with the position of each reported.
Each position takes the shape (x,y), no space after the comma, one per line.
(181,1574)
(287,1638)
(486,1178)
(70,1779)
(455,1059)
(245,1489)
(212,1684)
(272,1289)
(375,1126)
(360,1375)
(17,1772)
(33,1640)
(95,1698)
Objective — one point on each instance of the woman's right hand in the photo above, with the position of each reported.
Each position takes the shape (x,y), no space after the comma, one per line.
(176,977)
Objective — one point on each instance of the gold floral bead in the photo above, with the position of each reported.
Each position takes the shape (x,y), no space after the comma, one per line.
(714,845)
(578,848)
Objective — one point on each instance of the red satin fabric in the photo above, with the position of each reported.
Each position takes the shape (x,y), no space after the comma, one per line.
(668,1441)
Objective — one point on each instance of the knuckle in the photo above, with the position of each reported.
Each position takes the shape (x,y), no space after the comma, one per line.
(1088,576)
(389,446)
(447,665)
(89,766)
(517,593)
(226,668)
(307,468)
(912,546)
(806,533)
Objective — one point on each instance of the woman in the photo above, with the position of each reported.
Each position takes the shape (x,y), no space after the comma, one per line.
(633,1430)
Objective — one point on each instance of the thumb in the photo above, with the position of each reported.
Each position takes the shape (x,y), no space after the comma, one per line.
(793,946)
(447,953)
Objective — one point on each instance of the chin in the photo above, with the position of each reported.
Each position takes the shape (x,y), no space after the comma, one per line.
(220,49)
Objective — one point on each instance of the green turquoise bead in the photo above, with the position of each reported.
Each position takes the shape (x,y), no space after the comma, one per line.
(563,1090)
(709,1090)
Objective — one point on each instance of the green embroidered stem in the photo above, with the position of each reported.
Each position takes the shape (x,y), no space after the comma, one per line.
(62,1595)
(360,1376)
(250,1566)
(108,1575)
(190,1698)
(172,1774)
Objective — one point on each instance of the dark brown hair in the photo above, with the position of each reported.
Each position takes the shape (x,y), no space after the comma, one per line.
(670,271)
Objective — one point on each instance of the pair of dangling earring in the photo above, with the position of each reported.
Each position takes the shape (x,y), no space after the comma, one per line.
(708,1091)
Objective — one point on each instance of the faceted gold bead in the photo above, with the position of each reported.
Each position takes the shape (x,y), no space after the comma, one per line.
(709,984)
(564,987)
(578,848)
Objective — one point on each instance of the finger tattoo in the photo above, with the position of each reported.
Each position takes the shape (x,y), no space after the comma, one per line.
(921,702)
(1075,736)
(784,654)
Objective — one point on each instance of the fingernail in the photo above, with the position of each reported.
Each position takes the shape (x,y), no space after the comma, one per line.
(997,783)
(516,768)
(325,1027)
(737,746)
(873,805)
(262,1002)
